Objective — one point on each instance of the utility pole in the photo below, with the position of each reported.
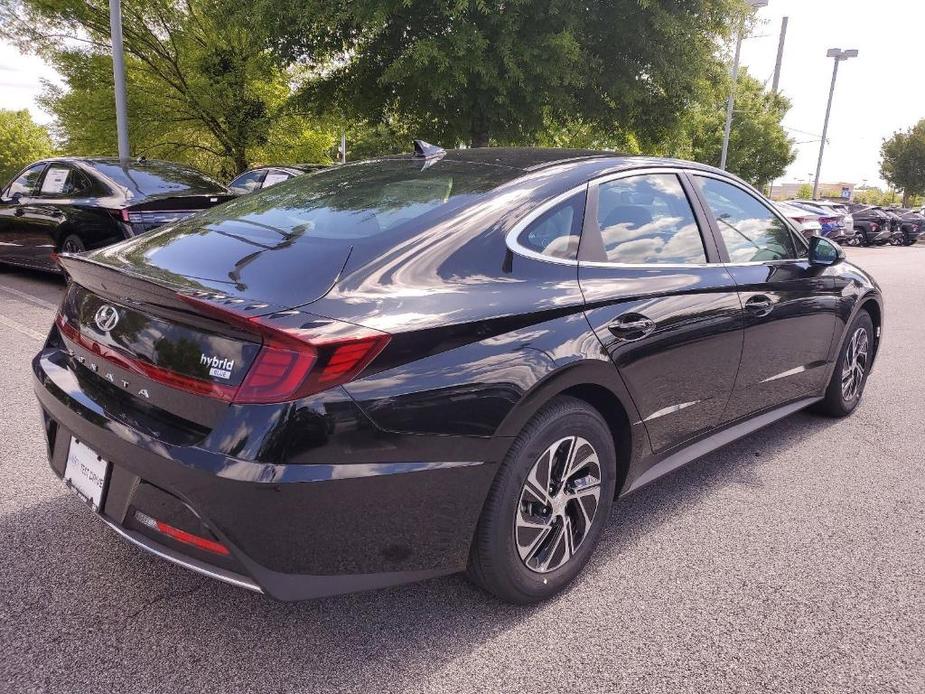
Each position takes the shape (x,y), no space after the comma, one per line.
(118,77)
(730,104)
(839,55)
(780,53)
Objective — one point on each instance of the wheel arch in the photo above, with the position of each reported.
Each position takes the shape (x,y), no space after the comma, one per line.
(598,384)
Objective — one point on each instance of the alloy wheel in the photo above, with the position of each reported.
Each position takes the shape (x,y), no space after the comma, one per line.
(72,245)
(558,504)
(855,367)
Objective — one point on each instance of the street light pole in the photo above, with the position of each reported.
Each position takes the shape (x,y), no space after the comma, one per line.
(118,76)
(730,103)
(839,55)
(780,54)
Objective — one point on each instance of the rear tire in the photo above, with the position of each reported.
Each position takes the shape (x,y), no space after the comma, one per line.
(547,506)
(851,370)
(72,244)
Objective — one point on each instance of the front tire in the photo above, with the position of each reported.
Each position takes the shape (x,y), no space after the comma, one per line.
(851,370)
(547,506)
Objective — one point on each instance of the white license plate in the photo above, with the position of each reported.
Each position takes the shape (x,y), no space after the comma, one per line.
(86,473)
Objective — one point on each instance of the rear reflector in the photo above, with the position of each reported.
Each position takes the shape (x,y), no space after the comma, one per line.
(181,535)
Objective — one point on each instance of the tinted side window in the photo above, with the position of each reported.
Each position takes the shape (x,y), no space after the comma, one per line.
(648,219)
(64,181)
(25,183)
(248,181)
(556,232)
(275,176)
(749,229)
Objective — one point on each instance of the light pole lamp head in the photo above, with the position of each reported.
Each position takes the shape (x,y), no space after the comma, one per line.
(839,54)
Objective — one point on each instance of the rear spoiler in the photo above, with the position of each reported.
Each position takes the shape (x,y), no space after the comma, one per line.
(158,295)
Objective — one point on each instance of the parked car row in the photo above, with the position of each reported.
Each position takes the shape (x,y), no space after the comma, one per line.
(855,224)
(74,204)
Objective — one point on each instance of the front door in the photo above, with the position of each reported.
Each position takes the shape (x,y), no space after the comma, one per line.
(15,223)
(789,306)
(661,304)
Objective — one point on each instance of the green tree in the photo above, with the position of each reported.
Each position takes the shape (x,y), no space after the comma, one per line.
(202,87)
(478,71)
(902,162)
(22,141)
(759,147)
(805,192)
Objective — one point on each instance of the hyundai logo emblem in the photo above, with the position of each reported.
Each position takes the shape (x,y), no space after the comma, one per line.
(106,317)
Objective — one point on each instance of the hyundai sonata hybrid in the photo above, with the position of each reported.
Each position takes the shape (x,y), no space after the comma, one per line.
(438,362)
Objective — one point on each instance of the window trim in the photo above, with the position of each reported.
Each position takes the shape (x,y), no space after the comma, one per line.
(513,236)
(7,198)
(711,216)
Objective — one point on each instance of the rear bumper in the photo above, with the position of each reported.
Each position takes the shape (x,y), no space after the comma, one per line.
(293,531)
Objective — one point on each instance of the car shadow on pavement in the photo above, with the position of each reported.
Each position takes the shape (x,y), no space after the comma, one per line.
(84,611)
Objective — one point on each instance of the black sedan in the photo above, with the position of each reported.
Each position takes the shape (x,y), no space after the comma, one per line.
(419,365)
(72,204)
(265,176)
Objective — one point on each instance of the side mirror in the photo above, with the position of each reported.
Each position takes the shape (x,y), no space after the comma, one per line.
(823,252)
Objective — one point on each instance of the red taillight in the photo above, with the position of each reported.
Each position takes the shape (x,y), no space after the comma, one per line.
(181,535)
(301,365)
(291,363)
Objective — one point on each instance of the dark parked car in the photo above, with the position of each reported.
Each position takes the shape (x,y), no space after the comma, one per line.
(872,224)
(72,204)
(836,222)
(418,365)
(266,176)
(911,226)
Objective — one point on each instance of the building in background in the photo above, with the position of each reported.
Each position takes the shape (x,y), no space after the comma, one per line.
(827,191)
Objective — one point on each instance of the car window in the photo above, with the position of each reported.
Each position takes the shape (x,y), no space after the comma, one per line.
(751,232)
(25,183)
(275,176)
(556,232)
(648,219)
(247,181)
(63,181)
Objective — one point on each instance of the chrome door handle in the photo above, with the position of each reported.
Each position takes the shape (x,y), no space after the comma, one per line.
(632,327)
(759,305)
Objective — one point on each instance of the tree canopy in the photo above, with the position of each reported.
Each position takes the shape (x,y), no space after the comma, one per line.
(759,148)
(224,85)
(902,162)
(22,141)
(202,87)
(478,71)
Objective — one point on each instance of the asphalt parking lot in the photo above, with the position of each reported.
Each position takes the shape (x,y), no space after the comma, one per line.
(793,560)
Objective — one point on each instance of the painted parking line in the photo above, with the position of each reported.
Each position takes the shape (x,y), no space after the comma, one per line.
(20,328)
(28,297)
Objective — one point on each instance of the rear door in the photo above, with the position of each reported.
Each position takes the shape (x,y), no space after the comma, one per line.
(789,305)
(663,306)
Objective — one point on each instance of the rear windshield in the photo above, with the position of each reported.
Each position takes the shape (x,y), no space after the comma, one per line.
(153,177)
(360,200)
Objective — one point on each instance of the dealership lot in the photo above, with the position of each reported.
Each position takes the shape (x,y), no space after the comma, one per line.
(791,560)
